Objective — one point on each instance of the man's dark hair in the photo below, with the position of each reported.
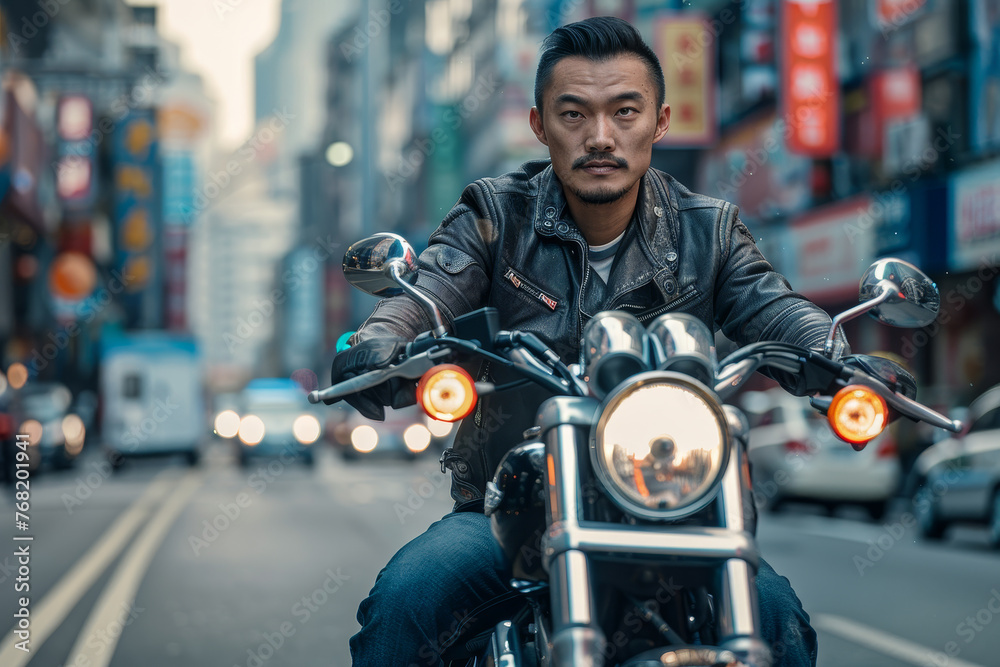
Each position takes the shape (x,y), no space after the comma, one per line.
(599,38)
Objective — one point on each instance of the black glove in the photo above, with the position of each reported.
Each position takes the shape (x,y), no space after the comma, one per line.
(888,371)
(367,356)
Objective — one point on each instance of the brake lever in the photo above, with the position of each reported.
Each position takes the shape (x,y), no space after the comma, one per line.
(902,404)
(411,368)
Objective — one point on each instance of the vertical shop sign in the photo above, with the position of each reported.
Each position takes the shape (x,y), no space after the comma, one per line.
(685,45)
(136,211)
(809,86)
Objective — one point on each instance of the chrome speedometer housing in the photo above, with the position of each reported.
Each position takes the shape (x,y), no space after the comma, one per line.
(660,445)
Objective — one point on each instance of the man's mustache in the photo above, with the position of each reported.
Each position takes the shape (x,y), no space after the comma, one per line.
(582,162)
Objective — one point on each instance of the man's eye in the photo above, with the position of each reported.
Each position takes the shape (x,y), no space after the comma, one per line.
(627,111)
(572,114)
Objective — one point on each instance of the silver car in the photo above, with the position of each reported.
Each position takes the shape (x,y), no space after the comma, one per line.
(958,480)
(794,456)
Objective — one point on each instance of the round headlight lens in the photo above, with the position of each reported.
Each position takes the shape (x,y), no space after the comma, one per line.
(661,446)
(417,438)
(364,438)
(306,429)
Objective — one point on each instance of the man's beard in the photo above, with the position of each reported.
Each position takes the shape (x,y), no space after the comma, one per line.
(602,196)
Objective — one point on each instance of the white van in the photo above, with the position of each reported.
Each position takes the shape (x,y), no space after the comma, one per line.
(152,399)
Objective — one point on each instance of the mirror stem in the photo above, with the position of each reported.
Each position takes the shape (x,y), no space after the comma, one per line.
(887,289)
(425,301)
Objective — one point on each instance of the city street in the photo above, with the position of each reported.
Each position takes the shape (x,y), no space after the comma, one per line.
(164,565)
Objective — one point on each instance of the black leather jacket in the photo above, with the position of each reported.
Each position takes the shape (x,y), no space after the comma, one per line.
(509,243)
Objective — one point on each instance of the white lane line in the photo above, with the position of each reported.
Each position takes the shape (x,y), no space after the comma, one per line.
(886,644)
(99,637)
(56,605)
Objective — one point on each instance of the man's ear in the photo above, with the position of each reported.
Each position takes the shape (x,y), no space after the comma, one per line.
(662,123)
(535,121)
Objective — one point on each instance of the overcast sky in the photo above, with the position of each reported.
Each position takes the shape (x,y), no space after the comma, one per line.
(219,39)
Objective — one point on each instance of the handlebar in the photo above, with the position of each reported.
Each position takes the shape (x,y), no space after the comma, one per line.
(736,369)
(411,368)
(537,363)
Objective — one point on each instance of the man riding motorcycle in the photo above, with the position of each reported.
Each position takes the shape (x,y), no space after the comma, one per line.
(550,245)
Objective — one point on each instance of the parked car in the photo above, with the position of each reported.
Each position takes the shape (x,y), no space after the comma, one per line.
(55,433)
(274,419)
(406,432)
(957,480)
(794,456)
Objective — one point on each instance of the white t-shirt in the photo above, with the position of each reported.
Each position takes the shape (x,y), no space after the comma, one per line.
(602,256)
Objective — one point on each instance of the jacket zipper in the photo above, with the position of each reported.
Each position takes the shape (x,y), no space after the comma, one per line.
(583,287)
(670,305)
(520,283)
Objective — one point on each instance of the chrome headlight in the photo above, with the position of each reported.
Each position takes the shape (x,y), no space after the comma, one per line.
(661,445)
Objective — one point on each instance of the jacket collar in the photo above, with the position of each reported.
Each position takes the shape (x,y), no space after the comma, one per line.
(653,257)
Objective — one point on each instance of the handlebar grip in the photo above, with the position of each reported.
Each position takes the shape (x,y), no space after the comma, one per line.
(352,386)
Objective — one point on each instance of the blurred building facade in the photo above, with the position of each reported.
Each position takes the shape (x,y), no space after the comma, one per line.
(102,131)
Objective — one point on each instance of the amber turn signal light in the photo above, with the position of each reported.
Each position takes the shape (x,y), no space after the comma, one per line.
(857,414)
(447,393)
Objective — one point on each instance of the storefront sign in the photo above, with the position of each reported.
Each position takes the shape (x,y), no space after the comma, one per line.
(975,218)
(809,86)
(832,247)
(137,214)
(686,45)
(984,107)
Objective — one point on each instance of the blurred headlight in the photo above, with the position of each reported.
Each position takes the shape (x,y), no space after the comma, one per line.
(74,432)
(251,430)
(417,438)
(306,429)
(33,429)
(227,424)
(364,438)
(439,429)
(661,446)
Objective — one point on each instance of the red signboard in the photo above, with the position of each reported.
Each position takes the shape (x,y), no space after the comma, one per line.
(895,96)
(809,86)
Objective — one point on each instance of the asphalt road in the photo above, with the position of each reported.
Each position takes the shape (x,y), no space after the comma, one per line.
(164,565)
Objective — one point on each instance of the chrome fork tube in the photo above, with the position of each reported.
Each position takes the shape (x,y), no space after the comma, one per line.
(737,582)
(576,639)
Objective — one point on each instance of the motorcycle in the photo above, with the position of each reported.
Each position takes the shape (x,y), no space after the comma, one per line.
(627,514)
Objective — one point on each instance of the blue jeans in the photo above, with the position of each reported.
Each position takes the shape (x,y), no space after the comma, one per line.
(420,597)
